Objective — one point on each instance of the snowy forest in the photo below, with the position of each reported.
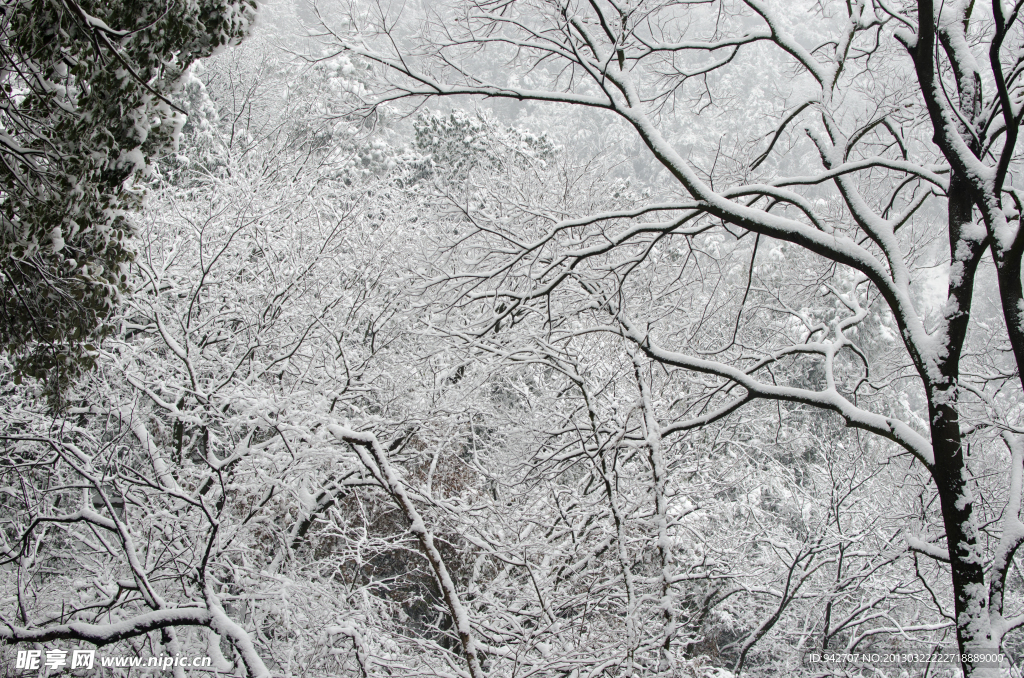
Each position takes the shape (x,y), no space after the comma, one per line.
(512,338)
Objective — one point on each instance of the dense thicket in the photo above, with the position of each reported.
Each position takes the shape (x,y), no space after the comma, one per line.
(459,391)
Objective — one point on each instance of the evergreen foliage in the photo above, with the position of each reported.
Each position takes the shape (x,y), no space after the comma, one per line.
(85,107)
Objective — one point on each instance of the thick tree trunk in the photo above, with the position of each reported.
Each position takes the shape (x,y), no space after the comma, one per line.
(971,605)
(973,622)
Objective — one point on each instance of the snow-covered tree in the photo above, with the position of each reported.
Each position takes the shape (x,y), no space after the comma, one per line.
(450,393)
(86,106)
(866,151)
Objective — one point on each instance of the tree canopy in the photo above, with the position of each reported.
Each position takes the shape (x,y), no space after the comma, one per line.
(543,337)
(85,107)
